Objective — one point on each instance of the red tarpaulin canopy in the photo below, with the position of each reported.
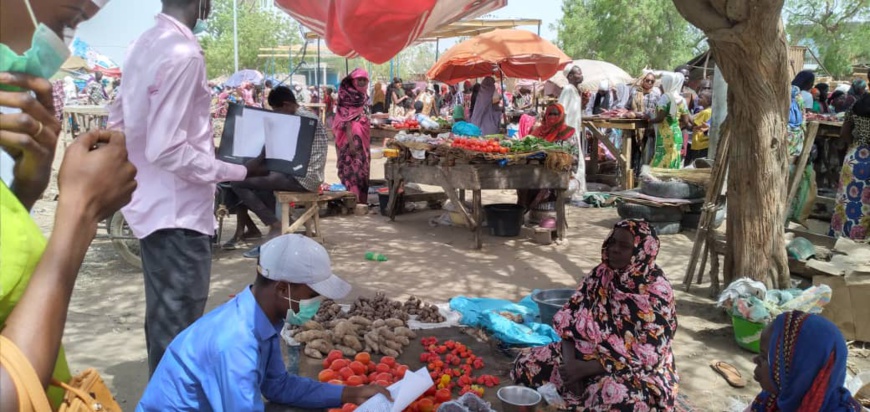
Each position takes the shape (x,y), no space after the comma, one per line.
(377,30)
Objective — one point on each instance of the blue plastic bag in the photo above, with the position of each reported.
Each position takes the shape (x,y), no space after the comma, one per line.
(466,129)
(484,313)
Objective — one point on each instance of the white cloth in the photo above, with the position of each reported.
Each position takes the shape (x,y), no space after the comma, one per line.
(7,163)
(672,85)
(572,102)
(808,99)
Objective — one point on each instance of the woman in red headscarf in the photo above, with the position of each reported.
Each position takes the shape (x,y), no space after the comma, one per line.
(352,134)
(553,128)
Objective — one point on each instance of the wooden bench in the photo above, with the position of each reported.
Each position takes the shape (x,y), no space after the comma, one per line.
(311,203)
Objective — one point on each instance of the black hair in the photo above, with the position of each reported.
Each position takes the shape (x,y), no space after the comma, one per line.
(268,83)
(418,106)
(804,80)
(862,106)
(281,95)
(685,67)
(706,94)
(178,3)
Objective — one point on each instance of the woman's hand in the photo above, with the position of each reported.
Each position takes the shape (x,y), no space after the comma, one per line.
(30,137)
(95,179)
(574,370)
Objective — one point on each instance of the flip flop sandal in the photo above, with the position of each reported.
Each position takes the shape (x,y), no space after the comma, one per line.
(729,372)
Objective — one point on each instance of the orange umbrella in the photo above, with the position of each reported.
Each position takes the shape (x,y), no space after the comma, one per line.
(518,53)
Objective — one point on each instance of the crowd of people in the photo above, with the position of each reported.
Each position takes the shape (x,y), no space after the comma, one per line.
(156,161)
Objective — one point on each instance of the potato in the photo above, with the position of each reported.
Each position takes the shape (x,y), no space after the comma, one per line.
(312,353)
(403,331)
(312,325)
(393,345)
(371,340)
(394,323)
(320,345)
(346,351)
(352,342)
(390,352)
(344,328)
(359,320)
(305,337)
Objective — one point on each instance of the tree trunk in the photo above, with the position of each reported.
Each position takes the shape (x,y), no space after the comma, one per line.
(748,43)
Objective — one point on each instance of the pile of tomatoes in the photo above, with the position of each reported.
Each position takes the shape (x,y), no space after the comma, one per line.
(407,124)
(360,370)
(479,145)
(451,366)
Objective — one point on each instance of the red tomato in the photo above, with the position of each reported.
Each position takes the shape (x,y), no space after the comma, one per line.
(442,395)
(358,368)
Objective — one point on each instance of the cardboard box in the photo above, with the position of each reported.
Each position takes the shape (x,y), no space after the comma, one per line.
(848,275)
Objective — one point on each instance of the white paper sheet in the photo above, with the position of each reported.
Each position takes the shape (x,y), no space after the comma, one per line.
(404,392)
(278,133)
(248,136)
(282,135)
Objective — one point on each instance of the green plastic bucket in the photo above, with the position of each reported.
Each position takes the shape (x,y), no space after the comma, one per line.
(747,334)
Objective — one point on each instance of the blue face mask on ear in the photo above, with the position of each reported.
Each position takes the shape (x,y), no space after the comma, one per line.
(46,55)
(201,26)
(307,309)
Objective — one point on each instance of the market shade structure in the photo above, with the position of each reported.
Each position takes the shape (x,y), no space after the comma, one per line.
(241,76)
(377,30)
(520,54)
(594,71)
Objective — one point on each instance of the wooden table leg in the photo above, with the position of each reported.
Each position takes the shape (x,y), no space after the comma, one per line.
(593,156)
(394,198)
(627,140)
(476,210)
(561,221)
(461,195)
(285,216)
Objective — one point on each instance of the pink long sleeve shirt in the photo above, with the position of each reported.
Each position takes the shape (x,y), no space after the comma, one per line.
(164,112)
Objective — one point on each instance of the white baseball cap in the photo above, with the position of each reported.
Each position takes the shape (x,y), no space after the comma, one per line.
(297,259)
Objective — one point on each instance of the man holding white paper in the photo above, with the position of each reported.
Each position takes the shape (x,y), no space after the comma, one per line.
(165,113)
(283,101)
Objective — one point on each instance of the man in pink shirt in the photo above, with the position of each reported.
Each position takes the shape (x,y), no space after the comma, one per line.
(164,112)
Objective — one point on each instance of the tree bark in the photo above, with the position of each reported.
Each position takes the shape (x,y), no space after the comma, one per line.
(747,40)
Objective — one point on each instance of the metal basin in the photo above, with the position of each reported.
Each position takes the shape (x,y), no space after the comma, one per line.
(550,301)
(519,399)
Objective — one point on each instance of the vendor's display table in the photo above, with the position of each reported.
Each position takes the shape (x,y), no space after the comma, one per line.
(477,177)
(625,174)
(81,119)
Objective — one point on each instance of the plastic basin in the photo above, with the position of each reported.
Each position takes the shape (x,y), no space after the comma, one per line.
(519,399)
(551,301)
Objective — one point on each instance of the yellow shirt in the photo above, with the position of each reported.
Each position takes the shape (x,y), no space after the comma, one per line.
(21,247)
(700,140)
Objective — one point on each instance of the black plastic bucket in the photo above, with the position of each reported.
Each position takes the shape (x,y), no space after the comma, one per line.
(384,200)
(504,219)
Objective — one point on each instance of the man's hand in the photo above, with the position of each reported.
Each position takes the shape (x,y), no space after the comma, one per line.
(359,394)
(30,137)
(95,179)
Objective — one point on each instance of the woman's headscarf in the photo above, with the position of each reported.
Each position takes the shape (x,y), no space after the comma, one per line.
(554,130)
(859,87)
(623,92)
(796,113)
(483,115)
(672,87)
(351,99)
(804,79)
(378,95)
(807,358)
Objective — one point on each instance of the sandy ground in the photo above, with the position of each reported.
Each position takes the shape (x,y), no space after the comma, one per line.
(104,326)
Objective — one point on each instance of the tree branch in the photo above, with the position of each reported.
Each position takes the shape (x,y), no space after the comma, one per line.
(702,14)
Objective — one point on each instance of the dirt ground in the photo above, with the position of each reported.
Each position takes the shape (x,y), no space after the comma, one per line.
(104,326)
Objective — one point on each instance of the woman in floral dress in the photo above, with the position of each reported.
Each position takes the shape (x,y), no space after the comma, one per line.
(852,211)
(617,330)
(672,109)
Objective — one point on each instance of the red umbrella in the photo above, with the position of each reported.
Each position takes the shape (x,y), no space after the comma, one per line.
(377,30)
(518,53)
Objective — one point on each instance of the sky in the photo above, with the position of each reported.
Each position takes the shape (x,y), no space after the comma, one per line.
(121,21)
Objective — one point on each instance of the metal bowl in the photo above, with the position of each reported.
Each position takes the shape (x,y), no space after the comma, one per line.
(519,399)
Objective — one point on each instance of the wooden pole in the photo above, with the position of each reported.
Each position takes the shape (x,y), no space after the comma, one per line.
(812,131)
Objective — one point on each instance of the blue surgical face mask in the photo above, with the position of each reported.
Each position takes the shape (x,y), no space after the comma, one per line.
(46,55)
(307,309)
(201,26)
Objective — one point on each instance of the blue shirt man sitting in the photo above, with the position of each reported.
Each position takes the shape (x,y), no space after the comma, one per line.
(230,359)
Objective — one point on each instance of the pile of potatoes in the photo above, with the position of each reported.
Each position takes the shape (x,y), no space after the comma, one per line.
(426,312)
(380,307)
(354,335)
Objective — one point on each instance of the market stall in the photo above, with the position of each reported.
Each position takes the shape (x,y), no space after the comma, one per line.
(596,126)
(461,164)
(80,119)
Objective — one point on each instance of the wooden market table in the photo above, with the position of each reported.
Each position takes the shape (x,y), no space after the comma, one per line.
(86,118)
(477,177)
(625,175)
